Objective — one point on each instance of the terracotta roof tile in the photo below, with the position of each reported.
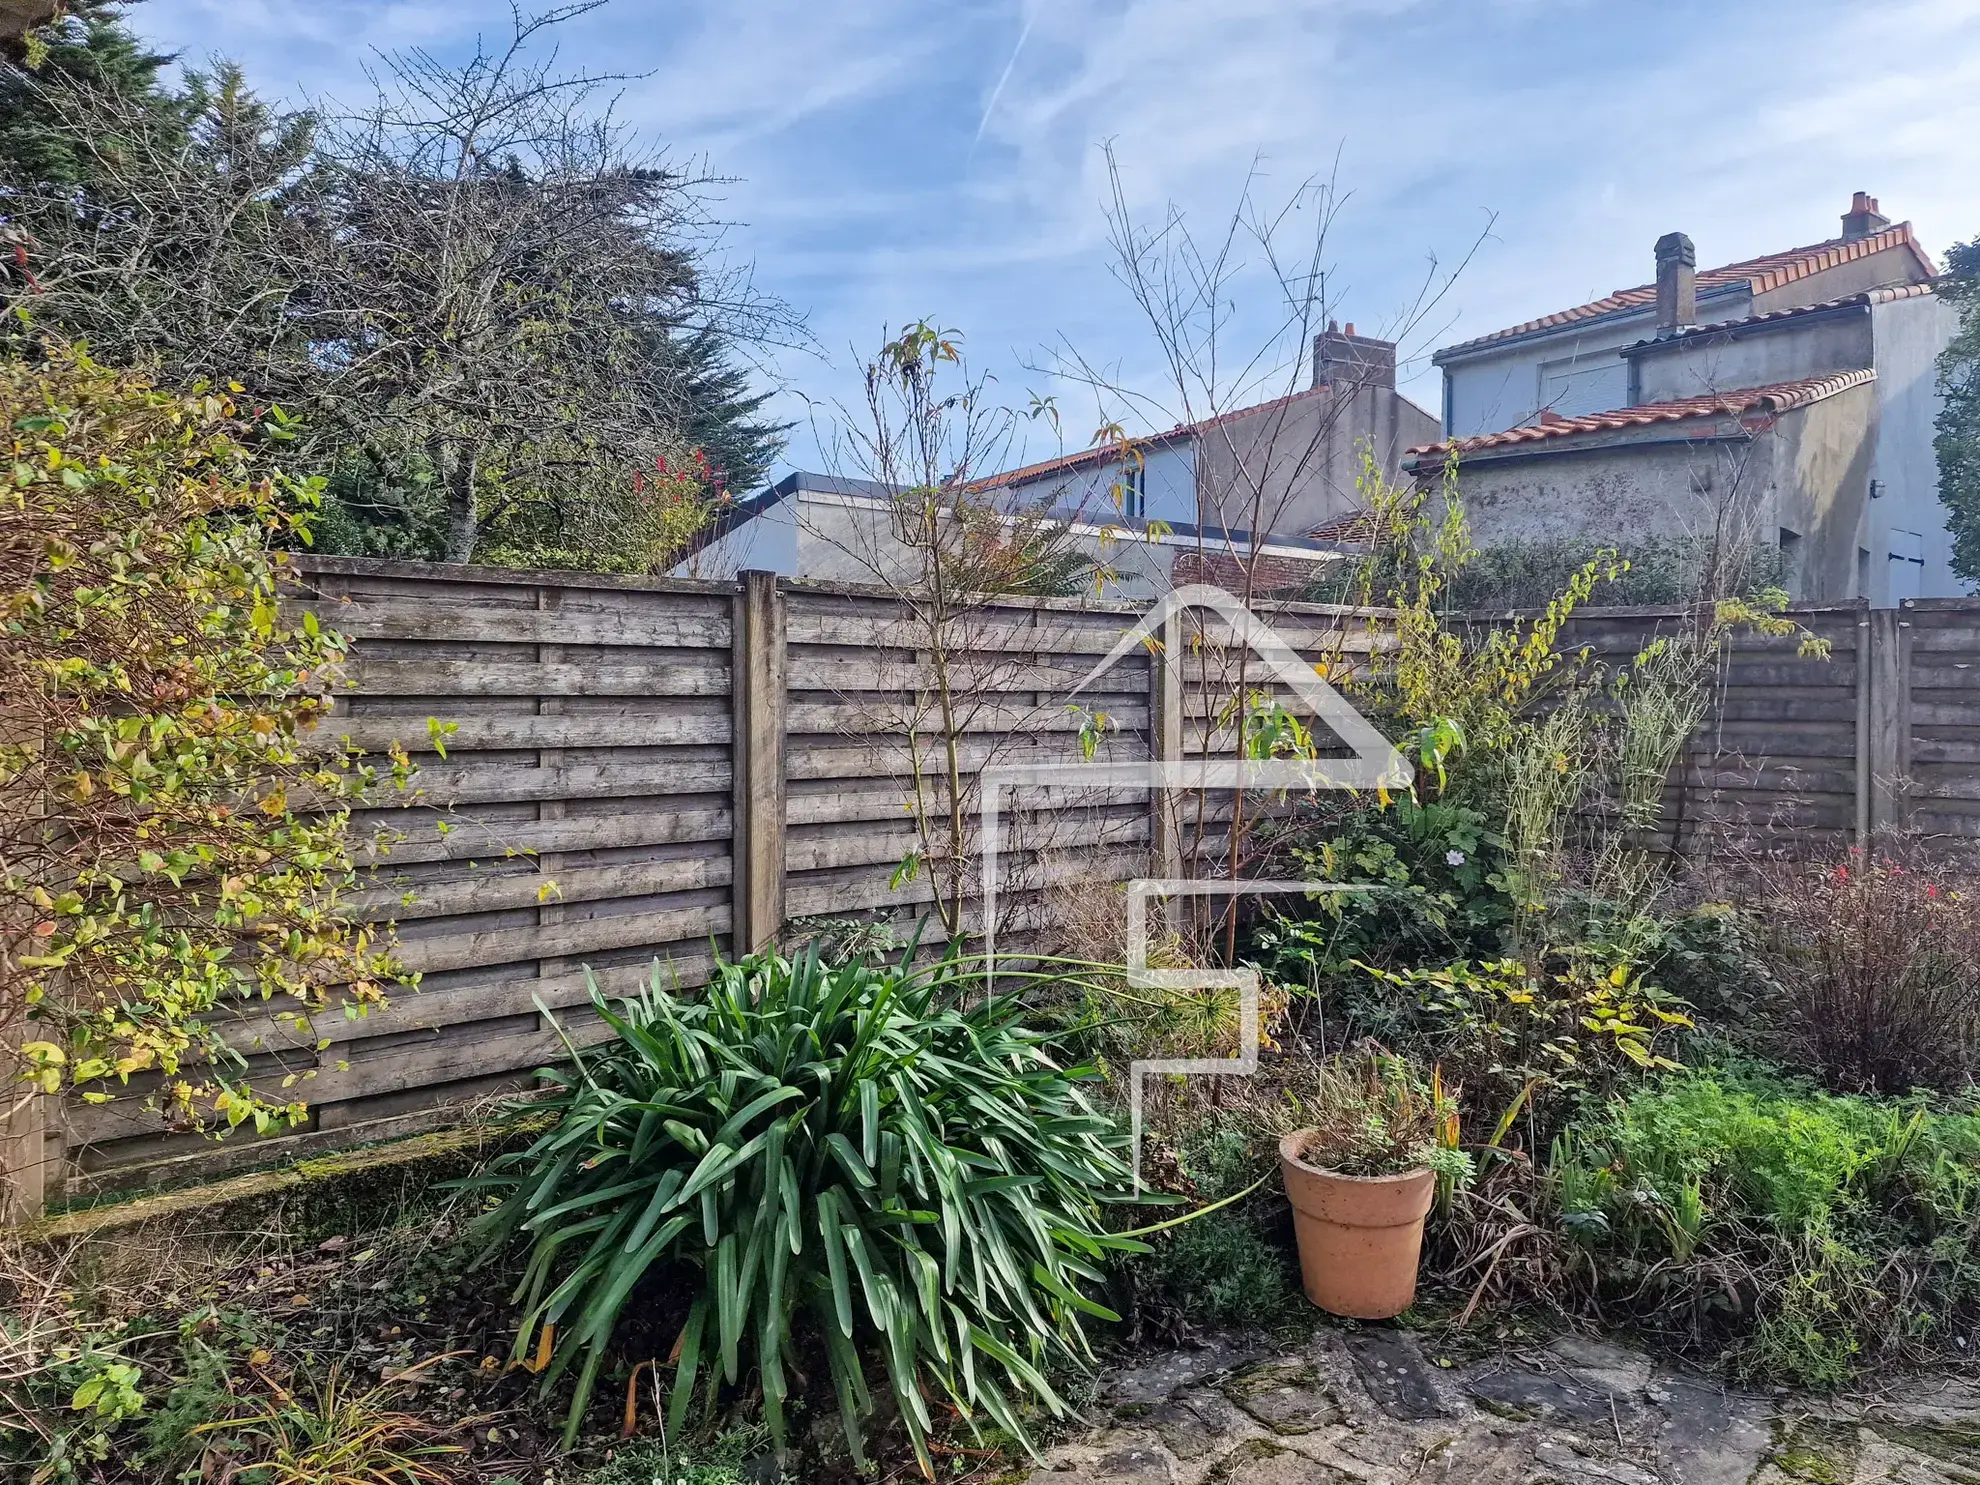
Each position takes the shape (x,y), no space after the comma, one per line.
(1868,296)
(1106,453)
(1775,398)
(1759,274)
(1355,526)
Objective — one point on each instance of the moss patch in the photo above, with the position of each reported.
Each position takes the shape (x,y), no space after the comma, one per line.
(1246,1453)
(1819,1453)
(333,1187)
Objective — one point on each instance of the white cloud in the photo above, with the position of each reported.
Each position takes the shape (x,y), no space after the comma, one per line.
(1589,127)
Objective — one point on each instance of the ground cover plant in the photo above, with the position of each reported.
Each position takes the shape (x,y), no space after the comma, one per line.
(1804,1233)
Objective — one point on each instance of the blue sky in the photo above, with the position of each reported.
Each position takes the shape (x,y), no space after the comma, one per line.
(905,158)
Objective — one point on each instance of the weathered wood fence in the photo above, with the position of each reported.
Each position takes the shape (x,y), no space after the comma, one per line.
(1882,734)
(653,769)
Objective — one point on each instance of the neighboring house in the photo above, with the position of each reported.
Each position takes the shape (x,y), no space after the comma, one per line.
(1571,362)
(843,530)
(1801,416)
(1285,466)
(1171,509)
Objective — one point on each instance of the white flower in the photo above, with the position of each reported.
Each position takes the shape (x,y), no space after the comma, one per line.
(1453,858)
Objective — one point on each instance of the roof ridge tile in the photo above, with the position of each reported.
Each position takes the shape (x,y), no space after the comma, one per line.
(1775,397)
(1762,274)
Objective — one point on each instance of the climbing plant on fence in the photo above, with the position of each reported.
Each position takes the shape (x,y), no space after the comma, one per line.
(168,842)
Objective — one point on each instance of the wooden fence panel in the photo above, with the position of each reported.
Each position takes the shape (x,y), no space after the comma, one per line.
(1938,656)
(642,769)
(582,817)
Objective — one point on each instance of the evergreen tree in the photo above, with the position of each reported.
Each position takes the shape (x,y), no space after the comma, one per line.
(491,311)
(92,49)
(1958,440)
(720,412)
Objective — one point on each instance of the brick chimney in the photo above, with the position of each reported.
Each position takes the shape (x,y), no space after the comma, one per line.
(1342,358)
(1677,283)
(1863,219)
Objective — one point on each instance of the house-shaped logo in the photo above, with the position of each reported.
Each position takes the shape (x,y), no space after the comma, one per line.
(1373,763)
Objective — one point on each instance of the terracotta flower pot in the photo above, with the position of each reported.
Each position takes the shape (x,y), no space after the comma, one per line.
(1359,1236)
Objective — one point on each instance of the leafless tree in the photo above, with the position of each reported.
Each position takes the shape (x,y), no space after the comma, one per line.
(1233,314)
(978,679)
(464,285)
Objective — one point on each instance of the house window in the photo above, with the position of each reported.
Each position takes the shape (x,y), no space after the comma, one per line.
(1133,488)
(1863,572)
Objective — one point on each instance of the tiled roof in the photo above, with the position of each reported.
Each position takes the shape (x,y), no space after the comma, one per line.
(1759,274)
(1776,398)
(1267,574)
(1772,316)
(1108,452)
(1355,526)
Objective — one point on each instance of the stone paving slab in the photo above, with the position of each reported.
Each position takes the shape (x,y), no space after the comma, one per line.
(1390,1365)
(1366,1407)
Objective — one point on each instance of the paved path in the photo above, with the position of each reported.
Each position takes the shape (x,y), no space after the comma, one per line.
(1369,1408)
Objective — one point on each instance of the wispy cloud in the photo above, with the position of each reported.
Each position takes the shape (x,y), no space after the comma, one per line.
(899,159)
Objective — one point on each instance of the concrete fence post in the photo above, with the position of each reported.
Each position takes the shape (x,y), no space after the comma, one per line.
(33,1158)
(757,690)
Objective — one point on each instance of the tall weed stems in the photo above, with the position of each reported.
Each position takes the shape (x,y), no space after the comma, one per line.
(1879,960)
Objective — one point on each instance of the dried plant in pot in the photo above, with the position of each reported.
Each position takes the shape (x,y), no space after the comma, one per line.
(1375,1139)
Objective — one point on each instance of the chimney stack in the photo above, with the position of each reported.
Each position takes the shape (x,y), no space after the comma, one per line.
(1863,219)
(1677,283)
(1342,358)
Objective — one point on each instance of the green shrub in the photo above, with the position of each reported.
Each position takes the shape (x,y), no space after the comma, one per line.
(170,841)
(654,1462)
(832,1161)
(1711,959)
(1217,1269)
(1223,1268)
(1427,889)
(1806,1229)
(1666,573)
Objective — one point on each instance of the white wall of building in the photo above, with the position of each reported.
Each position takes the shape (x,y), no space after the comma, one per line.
(1167,478)
(1905,536)
(767,542)
(1491,390)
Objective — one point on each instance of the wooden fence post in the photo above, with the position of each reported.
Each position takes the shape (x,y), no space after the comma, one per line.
(33,1157)
(756,693)
(1165,742)
(1884,728)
